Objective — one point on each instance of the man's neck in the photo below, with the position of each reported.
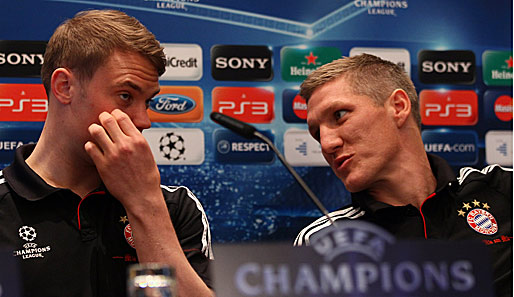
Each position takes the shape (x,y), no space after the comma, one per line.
(408,187)
(64,166)
(409,179)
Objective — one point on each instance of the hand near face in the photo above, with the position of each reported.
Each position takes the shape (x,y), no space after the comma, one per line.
(123,159)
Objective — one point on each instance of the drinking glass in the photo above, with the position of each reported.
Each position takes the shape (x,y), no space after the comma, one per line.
(151,280)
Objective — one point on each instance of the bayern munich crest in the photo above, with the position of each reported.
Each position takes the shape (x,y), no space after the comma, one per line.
(478,217)
(128,236)
(482,221)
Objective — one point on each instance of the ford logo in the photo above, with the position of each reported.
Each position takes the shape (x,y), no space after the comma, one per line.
(172,104)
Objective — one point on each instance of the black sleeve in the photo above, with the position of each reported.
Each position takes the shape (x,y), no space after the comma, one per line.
(192,228)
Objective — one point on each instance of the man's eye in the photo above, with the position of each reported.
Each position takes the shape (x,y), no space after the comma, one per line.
(124,96)
(339,114)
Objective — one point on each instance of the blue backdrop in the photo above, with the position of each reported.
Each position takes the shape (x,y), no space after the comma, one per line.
(251,200)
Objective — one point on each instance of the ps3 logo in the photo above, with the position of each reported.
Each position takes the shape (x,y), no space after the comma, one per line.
(26,104)
(457,110)
(248,107)
(253,105)
(448,108)
(172,104)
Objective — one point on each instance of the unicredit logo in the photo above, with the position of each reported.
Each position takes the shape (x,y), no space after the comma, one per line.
(241,63)
(446,67)
(183,61)
(21,58)
(172,104)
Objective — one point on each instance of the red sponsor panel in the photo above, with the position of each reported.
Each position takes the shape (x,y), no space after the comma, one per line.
(300,107)
(448,108)
(23,103)
(503,108)
(251,105)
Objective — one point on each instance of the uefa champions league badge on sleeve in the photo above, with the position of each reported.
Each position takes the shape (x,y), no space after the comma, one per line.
(354,258)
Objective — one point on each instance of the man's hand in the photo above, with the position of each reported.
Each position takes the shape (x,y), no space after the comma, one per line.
(126,166)
(124,160)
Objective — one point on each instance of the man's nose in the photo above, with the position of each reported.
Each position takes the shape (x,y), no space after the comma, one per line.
(329,139)
(141,119)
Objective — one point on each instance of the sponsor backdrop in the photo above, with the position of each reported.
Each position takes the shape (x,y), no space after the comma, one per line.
(247,59)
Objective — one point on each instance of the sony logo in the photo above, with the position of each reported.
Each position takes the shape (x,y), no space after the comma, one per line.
(23,59)
(446,67)
(238,63)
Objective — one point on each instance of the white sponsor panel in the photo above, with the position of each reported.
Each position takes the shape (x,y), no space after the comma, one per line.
(498,147)
(300,149)
(176,146)
(183,61)
(399,56)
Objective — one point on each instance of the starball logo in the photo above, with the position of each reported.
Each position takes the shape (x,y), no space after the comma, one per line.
(446,67)
(241,63)
(21,58)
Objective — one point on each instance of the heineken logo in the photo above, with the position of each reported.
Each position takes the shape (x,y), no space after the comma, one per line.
(299,62)
(497,68)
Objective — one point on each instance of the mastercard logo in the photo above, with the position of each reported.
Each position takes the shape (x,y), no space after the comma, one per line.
(503,108)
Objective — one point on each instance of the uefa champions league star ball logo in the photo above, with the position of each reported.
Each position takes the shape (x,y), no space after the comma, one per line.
(27,233)
(171,146)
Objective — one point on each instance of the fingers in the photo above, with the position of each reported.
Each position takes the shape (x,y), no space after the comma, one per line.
(125,123)
(93,151)
(101,139)
(111,126)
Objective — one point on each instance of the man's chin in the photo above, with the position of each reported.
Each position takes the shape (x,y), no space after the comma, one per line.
(352,184)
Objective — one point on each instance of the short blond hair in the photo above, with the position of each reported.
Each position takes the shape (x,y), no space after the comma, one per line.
(366,75)
(85,41)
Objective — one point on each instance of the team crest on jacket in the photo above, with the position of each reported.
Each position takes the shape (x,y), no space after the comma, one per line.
(128,236)
(478,218)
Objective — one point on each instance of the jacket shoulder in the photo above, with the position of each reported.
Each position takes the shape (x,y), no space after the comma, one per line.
(348,212)
(493,176)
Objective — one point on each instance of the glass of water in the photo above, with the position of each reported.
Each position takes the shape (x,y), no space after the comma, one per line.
(151,280)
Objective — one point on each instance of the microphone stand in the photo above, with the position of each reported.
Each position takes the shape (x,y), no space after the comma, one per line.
(249,132)
(295,175)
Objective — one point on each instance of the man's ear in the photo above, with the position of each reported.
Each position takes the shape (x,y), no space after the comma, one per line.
(400,106)
(64,84)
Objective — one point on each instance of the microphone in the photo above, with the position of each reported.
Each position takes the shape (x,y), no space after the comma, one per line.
(249,132)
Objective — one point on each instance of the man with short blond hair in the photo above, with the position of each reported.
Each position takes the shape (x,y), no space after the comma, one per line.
(85,202)
(364,112)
